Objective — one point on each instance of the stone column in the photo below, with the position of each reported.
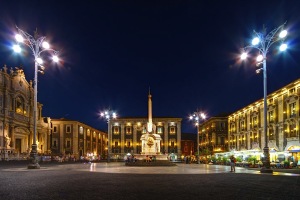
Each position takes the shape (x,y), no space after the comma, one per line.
(75,140)
(166,138)
(179,138)
(13,142)
(238,142)
(122,142)
(280,137)
(248,134)
(109,137)
(61,139)
(134,139)
(84,140)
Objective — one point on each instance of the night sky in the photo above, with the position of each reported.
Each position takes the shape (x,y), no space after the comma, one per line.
(187,52)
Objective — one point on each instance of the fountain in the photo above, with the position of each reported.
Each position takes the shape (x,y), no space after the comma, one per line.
(150,140)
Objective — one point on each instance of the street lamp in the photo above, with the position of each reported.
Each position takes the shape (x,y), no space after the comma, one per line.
(262,42)
(107,115)
(197,116)
(37,45)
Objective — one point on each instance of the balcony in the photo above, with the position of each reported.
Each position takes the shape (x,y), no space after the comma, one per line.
(18,117)
(289,139)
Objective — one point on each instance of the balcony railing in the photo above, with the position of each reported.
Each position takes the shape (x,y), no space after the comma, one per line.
(18,117)
(289,139)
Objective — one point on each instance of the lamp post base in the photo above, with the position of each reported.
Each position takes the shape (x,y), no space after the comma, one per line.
(267,167)
(266,170)
(34,164)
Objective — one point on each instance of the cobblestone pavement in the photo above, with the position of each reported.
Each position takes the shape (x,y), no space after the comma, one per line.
(117,181)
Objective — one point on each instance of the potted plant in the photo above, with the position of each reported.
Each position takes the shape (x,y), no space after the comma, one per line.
(286,164)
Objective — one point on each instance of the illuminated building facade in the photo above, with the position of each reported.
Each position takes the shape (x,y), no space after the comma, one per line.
(213,135)
(69,137)
(16,116)
(188,147)
(246,125)
(125,136)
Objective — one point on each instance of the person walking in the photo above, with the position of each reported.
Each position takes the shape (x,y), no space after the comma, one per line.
(232,163)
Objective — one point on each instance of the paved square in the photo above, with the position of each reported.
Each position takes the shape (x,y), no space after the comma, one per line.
(117,181)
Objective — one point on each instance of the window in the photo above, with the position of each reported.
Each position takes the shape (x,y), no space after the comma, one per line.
(223,125)
(54,143)
(292,109)
(128,130)
(254,121)
(88,133)
(159,130)
(213,125)
(81,130)
(271,117)
(293,132)
(172,130)
(116,130)
(242,125)
(68,143)
(20,106)
(116,144)
(55,129)
(232,127)
(81,142)
(128,143)
(68,128)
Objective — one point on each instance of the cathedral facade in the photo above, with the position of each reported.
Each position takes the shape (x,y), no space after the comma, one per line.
(16,116)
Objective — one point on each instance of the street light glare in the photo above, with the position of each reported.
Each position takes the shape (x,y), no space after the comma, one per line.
(39,60)
(259,58)
(255,41)
(17,48)
(55,58)
(283,33)
(244,56)
(19,38)
(45,45)
(283,47)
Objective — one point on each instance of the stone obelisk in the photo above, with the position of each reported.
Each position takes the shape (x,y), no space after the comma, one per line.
(150,140)
(149,123)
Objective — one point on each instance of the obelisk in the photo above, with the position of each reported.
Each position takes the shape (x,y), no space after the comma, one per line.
(149,123)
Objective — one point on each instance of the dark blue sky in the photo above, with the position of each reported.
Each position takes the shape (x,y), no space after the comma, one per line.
(186,51)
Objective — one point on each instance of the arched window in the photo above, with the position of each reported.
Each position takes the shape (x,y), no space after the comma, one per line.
(20,105)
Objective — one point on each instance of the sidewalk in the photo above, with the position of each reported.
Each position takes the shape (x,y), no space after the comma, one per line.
(293,170)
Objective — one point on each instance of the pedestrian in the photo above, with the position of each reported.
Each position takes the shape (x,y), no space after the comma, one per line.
(232,163)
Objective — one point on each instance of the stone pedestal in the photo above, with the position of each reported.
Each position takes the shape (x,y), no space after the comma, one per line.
(150,144)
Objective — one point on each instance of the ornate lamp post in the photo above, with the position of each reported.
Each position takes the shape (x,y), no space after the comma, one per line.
(107,115)
(38,45)
(262,42)
(197,116)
